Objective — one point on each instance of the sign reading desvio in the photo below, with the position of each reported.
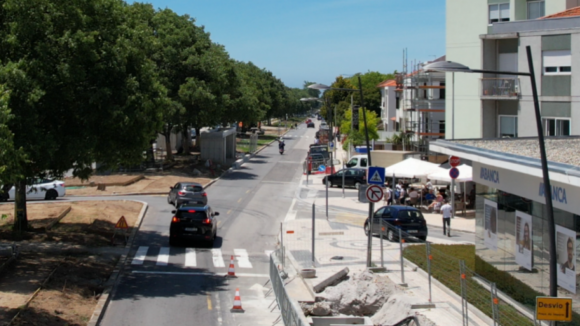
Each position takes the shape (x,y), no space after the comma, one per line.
(489,175)
(553,309)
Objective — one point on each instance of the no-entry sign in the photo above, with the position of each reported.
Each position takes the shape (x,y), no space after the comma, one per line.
(454,161)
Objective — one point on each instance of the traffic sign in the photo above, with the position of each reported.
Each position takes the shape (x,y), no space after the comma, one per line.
(553,309)
(321,168)
(122,223)
(454,161)
(374,193)
(454,173)
(376,175)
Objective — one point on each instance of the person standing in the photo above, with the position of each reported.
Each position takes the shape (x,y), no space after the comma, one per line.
(446,211)
(388,195)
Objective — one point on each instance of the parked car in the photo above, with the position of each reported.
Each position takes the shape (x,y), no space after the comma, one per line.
(319,149)
(310,125)
(352,178)
(358,161)
(408,219)
(308,120)
(323,125)
(47,189)
(186,192)
(193,222)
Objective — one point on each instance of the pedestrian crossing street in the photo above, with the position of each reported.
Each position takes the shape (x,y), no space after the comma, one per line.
(188,257)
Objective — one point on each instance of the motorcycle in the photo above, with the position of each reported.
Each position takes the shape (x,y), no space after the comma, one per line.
(281,150)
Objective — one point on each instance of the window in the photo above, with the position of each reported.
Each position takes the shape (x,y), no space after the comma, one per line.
(397,101)
(536,9)
(557,62)
(556,127)
(508,126)
(363,162)
(442,91)
(499,13)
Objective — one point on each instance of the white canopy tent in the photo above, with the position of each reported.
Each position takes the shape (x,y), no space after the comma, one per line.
(441,174)
(411,168)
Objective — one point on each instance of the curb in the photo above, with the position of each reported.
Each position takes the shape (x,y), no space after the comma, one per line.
(114,278)
(485,318)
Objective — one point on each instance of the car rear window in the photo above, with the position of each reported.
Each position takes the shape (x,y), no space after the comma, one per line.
(318,149)
(410,215)
(193,188)
(193,215)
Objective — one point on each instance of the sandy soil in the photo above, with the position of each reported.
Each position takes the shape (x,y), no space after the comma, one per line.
(104,179)
(39,215)
(150,184)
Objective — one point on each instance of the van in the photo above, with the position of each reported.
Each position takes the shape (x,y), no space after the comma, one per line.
(358,161)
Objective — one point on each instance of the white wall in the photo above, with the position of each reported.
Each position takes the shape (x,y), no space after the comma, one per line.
(526,114)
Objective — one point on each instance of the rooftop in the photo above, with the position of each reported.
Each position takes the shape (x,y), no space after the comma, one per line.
(572,12)
(564,150)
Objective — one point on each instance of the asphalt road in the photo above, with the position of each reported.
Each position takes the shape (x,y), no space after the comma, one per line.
(186,286)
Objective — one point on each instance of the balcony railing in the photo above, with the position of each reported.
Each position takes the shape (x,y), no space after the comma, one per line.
(500,87)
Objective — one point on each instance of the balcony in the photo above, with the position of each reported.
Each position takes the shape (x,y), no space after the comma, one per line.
(500,88)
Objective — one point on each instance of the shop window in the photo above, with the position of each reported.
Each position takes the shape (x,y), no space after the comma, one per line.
(536,9)
(556,127)
(557,62)
(508,126)
(499,13)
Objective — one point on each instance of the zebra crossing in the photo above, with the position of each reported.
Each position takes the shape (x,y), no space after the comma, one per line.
(188,257)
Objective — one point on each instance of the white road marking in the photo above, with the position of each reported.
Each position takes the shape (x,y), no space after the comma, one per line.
(163,257)
(242,258)
(217,258)
(199,273)
(140,255)
(190,258)
(291,215)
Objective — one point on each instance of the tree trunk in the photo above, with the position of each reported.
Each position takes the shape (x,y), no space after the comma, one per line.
(168,149)
(198,137)
(20,217)
(186,139)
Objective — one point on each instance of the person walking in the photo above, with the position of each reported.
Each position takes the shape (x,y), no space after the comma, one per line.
(446,211)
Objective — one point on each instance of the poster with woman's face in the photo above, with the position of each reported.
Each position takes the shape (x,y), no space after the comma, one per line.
(566,251)
(523,247)
(490,233)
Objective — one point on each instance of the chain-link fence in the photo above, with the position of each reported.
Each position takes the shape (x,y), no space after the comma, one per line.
(288,308)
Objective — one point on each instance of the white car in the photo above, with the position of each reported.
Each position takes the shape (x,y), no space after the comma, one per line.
(39,189)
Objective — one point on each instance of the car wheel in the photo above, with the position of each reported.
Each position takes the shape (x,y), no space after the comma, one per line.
(366,228)
(51,195)
(330,184)
(422,238)
(169,201)
(357,185)
(391,235)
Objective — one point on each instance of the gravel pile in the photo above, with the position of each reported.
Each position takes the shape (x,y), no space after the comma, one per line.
(561,150)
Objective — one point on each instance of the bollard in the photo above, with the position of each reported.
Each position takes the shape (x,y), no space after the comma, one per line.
(381,231)
(401,255)
(429,257)
(327,197)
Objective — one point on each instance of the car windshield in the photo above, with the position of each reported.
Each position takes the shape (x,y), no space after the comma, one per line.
(321,149)
(193,188)
(192,215)
(410,215)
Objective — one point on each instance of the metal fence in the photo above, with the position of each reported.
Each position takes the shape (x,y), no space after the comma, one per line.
(288,308)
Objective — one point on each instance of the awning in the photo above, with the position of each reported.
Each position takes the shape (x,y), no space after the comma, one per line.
(441,174)
(411,168)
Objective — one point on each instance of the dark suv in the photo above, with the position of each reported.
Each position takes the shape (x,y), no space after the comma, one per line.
(407,218)
(352,178)
(193,222)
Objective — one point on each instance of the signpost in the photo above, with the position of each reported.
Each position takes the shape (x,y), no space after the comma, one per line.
(454,161)
(374,193)
(376,175)
(122,228)
(553,309)
(454,173)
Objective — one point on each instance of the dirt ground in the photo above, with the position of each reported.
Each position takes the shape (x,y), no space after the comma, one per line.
(150,184)
(68,298)
(89,223)
(96,179)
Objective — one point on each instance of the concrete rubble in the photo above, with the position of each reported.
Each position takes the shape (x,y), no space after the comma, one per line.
(366,294)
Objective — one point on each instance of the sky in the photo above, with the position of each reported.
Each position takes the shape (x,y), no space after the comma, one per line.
(318,40)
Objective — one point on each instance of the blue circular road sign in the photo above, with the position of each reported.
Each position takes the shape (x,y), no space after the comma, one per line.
(454,173)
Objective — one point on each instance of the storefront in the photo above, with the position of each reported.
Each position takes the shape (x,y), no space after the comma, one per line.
(511,224)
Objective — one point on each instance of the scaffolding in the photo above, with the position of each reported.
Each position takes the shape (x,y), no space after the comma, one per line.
(423,105)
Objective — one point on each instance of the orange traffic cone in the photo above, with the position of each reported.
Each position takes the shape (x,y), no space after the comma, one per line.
(232,268)
(237,302)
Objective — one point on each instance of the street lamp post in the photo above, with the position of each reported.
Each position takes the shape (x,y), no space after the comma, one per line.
(371,204)
(449,66)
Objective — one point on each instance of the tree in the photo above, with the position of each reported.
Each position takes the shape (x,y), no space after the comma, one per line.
(357,137)
(371,93)
(82,88)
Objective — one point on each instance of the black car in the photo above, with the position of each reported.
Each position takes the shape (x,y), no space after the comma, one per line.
(352,178)
(408,219)
(310,125)
(193,222)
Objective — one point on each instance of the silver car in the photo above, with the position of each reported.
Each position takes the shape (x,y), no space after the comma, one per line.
(186,192)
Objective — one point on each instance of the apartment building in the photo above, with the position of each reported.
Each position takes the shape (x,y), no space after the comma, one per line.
(493,35)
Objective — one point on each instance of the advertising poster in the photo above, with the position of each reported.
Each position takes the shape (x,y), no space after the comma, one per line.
(490,233)
(523,245)
(566,251)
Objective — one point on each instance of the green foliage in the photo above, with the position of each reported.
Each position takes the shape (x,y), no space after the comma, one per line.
(371,93)
(10,157)
(357,137)
(400,139)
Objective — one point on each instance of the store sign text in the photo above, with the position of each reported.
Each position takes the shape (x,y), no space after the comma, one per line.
(558,193)
(489,175)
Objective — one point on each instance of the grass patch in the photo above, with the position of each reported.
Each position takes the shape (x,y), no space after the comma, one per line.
(445,268)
